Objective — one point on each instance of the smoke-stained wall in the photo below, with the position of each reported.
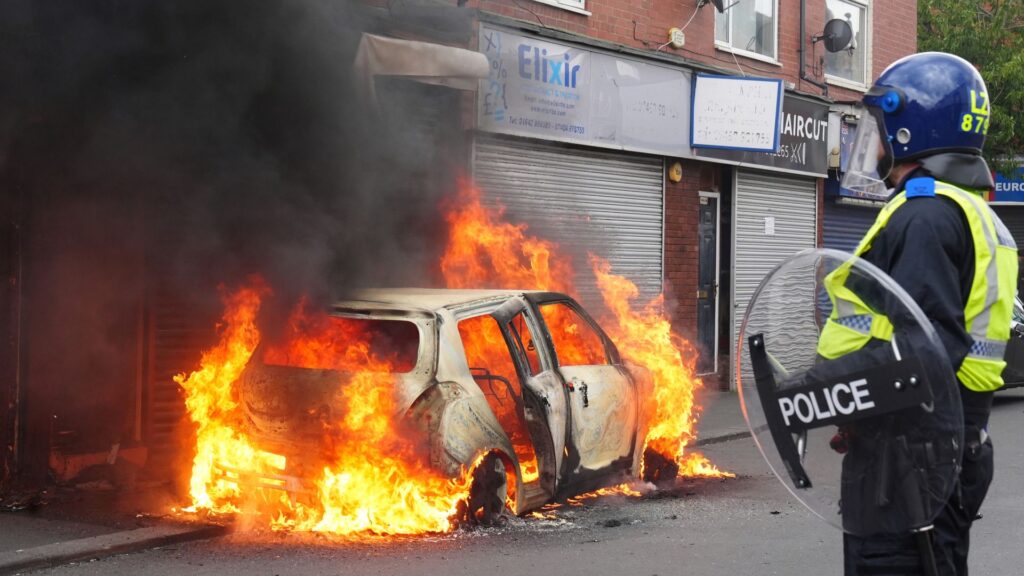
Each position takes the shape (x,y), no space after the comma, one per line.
(169,148)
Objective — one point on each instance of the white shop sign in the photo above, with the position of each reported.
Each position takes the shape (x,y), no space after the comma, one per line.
(558,91)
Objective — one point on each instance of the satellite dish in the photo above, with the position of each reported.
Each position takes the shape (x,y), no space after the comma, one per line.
(719,4)
(837,35)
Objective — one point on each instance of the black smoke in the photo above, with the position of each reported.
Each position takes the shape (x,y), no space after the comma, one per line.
(156,148)
(235,128)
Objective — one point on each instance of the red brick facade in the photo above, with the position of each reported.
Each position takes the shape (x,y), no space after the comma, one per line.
(644,25)
(681,252)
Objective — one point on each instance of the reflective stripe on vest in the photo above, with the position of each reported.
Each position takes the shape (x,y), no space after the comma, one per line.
(987,312)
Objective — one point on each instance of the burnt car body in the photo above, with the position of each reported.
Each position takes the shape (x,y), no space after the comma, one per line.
(561,421)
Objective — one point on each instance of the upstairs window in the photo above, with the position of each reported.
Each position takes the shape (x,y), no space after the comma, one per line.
(748,27)
(574,5)
(849,66)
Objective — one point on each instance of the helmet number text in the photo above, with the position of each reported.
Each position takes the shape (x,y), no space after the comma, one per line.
(976,124)
(977,119)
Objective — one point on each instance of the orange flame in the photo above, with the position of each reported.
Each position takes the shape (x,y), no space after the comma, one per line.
(645,338)
(372,477)
(373,480)
(211,406)
(484,251)
(620,490)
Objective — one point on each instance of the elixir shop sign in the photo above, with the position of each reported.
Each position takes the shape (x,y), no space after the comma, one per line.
(559,91)
(803,142)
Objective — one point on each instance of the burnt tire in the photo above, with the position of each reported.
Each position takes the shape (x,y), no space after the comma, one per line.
(659,470)
(487,493)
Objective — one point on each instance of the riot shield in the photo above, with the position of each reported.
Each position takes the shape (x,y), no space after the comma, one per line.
(849,394)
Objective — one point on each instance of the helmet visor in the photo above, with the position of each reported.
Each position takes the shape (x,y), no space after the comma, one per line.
(862,175)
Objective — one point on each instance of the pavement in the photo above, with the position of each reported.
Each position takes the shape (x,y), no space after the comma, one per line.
(88,522)
(720,418)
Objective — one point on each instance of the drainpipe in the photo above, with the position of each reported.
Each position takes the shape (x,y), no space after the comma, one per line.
(803,42)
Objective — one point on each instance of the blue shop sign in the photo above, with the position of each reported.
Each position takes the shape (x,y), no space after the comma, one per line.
(1008,190)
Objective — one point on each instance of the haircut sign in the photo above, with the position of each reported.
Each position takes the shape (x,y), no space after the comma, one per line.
(802,143)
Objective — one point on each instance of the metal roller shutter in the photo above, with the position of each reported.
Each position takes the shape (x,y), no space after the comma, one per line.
(1013,217)
(609,203)
(846,224)
(178,335)
(789,204)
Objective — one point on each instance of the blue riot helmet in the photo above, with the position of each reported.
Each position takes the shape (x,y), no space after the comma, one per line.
(922,106)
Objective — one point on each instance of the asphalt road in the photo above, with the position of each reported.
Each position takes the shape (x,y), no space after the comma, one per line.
(749,525)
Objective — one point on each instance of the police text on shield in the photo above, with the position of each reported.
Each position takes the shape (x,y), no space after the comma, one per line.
(841,398)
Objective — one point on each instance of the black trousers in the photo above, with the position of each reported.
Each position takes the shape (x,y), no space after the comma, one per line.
(899,555)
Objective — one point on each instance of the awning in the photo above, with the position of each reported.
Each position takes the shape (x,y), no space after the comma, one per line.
(421,61)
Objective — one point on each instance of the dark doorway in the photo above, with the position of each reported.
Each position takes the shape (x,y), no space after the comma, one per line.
(707,283)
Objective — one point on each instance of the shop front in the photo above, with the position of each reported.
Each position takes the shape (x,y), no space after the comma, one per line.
(572,141)
(775,197)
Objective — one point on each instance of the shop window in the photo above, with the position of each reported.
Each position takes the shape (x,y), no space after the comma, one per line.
(748,27)
(849,66)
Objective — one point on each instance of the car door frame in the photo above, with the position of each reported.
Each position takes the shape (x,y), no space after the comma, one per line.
(547,398)
(573,478)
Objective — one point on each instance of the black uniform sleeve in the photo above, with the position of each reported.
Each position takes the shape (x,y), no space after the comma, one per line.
(926,247)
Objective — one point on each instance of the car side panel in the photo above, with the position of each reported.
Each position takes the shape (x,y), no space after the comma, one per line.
(604,414)
(548,386)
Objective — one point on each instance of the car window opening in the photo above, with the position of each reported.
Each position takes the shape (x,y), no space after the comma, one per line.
(493,369)
(347,344)
(575,340)
(523,340)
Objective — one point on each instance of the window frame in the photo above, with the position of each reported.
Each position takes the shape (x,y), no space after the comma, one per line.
(577,6)
(521,349)
(611,355)
(841,82)
(727,46)
(424,347)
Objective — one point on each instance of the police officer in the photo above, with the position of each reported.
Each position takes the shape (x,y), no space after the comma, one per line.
(921,133)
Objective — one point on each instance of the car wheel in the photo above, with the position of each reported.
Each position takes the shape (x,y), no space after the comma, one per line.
(487,493)
(659,470)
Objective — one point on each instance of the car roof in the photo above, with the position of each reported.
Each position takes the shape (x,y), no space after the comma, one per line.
(424,299)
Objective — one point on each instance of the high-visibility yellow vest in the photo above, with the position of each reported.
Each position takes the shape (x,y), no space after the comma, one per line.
(987,313)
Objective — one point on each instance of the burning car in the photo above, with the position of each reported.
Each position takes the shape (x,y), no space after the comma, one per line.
(524,387)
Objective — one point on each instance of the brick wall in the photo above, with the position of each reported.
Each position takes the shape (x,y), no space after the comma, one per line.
(644,24)
(681,246)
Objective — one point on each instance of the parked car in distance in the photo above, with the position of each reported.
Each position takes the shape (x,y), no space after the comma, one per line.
(1013,375)
(528,378)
